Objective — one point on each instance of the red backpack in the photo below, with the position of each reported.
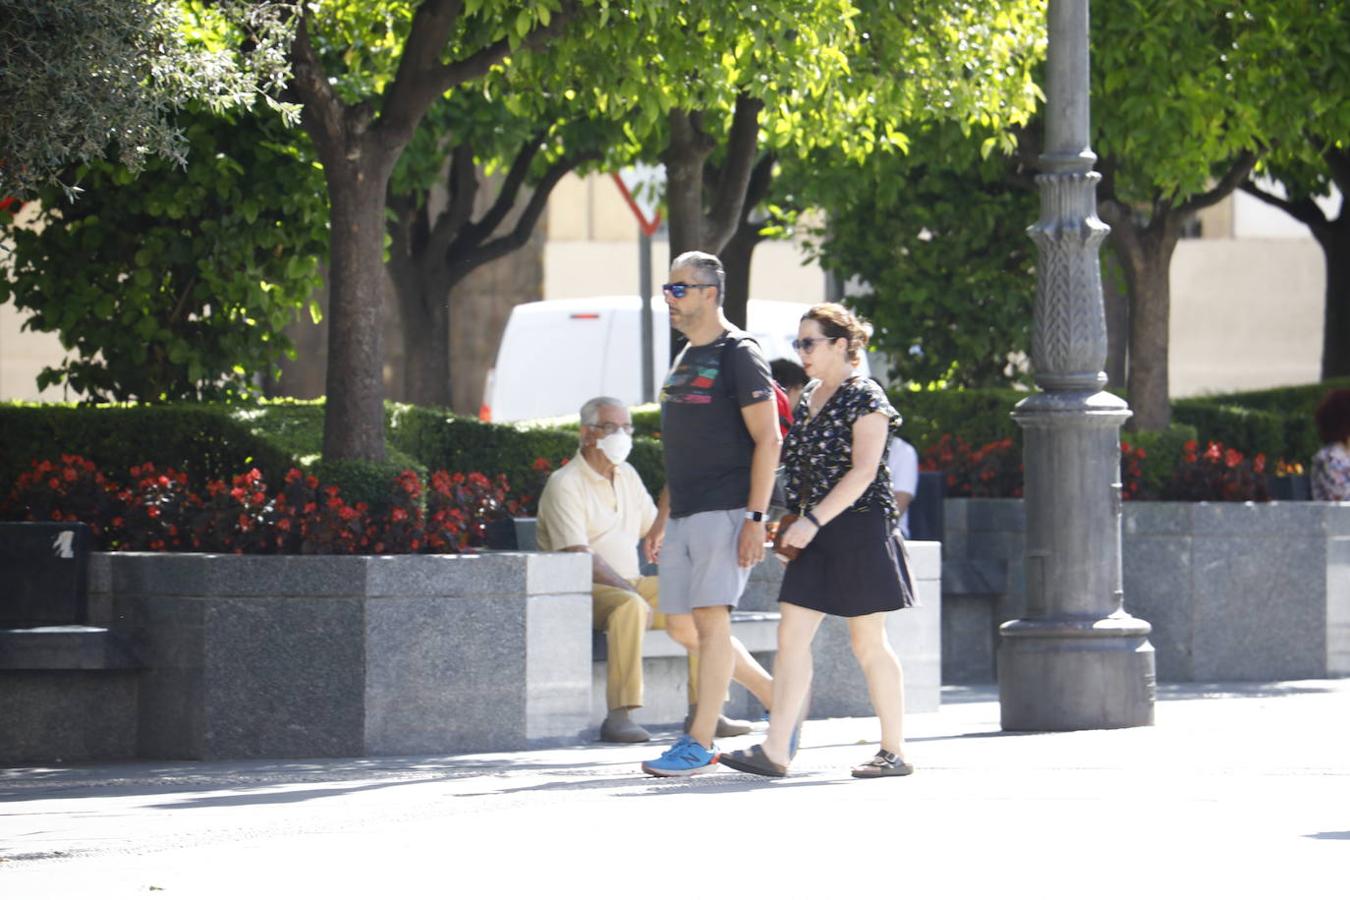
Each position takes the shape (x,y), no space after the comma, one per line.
(780,397)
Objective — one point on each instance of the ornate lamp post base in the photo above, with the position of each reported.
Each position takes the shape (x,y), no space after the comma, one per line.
(1072,675)
(1076,660)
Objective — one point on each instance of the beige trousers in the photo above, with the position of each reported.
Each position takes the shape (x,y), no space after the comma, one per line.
(622,615)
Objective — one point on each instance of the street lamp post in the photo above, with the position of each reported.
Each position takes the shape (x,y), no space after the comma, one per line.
(1076,659)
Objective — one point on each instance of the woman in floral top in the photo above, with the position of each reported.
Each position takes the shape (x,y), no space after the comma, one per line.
(851,561)
(1331,464)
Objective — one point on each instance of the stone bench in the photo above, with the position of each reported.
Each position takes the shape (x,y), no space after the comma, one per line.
(67,686)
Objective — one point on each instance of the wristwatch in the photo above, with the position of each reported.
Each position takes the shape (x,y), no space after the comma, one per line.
(754,516)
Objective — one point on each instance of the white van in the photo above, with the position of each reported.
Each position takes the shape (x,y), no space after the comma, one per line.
(557,354)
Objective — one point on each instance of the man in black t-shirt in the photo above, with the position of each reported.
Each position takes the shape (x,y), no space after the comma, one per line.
(719,427)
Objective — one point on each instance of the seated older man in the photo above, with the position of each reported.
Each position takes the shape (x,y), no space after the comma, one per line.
(597,504)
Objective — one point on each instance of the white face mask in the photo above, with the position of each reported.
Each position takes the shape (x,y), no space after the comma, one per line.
(615,446)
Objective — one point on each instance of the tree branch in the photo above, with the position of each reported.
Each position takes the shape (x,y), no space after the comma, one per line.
(511,185)
(742,144)
(322,112)
(422,78)
(472,257)
(1304,209)
(1338,161)
(462,187)
(1237,173)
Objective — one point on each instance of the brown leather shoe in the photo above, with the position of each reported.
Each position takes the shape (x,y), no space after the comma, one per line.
(618,728)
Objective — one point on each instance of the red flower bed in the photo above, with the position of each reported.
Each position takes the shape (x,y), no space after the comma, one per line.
(994,470)
(156,510)
(1219,473)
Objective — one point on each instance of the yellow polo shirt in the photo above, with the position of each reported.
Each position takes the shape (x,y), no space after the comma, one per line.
(580,507)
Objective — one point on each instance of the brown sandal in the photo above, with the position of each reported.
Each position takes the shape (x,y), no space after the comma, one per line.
(754,761)
(882,765)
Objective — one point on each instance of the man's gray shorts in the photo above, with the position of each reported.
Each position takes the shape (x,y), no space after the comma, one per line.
(699,563)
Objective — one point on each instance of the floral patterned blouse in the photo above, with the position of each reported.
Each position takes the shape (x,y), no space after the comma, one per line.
(818,450)
(1331,473)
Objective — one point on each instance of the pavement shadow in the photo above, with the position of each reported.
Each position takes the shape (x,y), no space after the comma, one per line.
(1237,690)
(269,797)
(148,780)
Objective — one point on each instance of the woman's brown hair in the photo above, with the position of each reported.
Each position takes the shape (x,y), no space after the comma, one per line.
(1333,417)
(838,321)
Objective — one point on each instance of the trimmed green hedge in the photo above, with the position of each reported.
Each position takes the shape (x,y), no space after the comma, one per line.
(978,416)
(1251,431)
(1290,410)
(207,441)
(1162,450)
(211,441)
(442,440)
(1277,422)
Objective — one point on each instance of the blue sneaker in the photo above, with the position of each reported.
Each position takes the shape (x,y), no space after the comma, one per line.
(686,757)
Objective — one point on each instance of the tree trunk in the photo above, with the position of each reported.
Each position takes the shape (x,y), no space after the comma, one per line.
(354,417)
(1117,302)
(1334,239)
(1146,256)
(684,202)
(736,258)
(480,305)
(425,309)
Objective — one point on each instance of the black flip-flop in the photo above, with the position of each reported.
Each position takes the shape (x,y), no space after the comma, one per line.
(754,761)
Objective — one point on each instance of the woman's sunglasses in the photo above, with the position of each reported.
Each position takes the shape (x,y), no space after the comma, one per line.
(806,345)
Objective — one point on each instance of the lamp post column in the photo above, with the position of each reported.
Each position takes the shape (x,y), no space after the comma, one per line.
(1076,659)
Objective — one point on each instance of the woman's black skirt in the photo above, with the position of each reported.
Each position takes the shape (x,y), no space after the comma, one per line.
(855,566)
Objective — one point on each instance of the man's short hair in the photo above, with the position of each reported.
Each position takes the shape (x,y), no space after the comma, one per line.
(590,410)
(709,269)
(787,373)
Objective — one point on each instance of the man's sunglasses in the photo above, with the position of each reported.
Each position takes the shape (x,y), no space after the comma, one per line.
(806,345)
(679,288)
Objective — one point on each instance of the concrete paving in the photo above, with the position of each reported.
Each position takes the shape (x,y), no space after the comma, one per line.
(1237,791)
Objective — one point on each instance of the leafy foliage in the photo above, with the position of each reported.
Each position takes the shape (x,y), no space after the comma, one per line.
(80,75)
(936,238)
(177,284)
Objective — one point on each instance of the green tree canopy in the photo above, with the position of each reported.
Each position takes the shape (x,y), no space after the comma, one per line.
(936,239)
(1187,97)
(176,284)
(77,76)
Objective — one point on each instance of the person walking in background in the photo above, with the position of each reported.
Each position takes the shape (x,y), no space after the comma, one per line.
(721,450)
(903,461)
(851,559)
(1331,464)
(597,504)
(790,377)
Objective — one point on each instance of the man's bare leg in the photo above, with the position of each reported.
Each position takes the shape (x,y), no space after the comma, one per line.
(747,672)
(716,661)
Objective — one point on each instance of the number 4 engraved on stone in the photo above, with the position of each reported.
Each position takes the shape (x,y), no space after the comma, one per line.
(63,545)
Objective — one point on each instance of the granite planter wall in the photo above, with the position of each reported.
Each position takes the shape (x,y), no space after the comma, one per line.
(351,656)
(1234,591)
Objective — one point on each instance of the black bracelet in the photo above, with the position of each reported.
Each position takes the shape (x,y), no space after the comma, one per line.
(811,517)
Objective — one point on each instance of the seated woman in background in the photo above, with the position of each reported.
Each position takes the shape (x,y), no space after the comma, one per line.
(1331,464)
